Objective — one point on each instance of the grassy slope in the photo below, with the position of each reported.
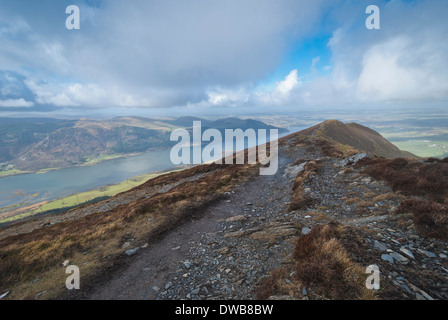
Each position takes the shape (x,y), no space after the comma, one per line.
(94,242)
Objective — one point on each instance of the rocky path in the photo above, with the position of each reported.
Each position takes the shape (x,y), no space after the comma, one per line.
(236,243)
(412,267)
(221,255)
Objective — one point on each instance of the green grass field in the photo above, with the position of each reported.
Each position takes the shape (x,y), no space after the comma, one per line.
(420,142)
(90,161)
(424,149)
(12,173)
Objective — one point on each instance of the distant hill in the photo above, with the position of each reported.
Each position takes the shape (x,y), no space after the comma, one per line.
(225,123)
(356,136)
(17,135)
(35,144)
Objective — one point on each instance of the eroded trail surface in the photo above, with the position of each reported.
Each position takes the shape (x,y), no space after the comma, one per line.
(236,243)
(223,254)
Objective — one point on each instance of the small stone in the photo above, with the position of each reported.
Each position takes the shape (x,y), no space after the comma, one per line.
(443,256)
(306,230)
(240,218)
(379,246)
(419,297)
(388,258)
(156,289)
(176,248)
(168,285)
(282,298)
(399,257)
(224,250)
(407,252)
(406,288)
(427,253)
(195,291)
(132,251)
(427,296)
(227,288)
(187,264)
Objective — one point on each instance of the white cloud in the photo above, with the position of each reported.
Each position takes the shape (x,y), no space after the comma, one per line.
(164,54)
(15,103)
(83,95)
(226,97)
(246,95)
(284,92)
(158,53)
(401,69)
(405,61)
(284,88)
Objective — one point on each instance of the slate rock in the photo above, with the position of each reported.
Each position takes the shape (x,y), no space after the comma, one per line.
(388,258)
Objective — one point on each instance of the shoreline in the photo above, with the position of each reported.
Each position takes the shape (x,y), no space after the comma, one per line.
(89,163)
(64,202)
(94,162)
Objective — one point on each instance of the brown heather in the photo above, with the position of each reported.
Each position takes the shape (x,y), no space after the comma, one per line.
(411,177)
(427,179)
(101,236)
(323,261)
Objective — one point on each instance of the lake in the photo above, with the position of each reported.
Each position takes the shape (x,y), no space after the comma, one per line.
(34,188)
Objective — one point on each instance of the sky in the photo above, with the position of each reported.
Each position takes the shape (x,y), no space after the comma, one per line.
(172,57)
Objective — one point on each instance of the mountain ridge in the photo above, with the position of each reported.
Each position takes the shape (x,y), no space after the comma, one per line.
(68,142)
(356,136)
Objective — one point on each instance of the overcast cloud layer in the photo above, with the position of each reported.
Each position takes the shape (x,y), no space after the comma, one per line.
(210,54)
